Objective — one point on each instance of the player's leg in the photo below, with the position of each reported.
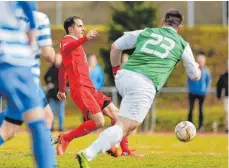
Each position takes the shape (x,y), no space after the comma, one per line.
(41,138)
(8,130)
(49,117)
(61,114)
(95,121)
(85,101)
(22,96)
(112,112)
(46,116)
(52,104)
(11,123)
(125,124)
(138,94)
(201,112)
(191,100)
(108,138)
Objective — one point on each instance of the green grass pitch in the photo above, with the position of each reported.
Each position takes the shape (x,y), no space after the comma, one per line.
(162,150)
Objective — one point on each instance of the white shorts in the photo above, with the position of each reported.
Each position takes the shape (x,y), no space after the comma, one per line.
(137,91)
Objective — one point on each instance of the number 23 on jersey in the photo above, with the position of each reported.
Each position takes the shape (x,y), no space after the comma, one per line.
(164,43)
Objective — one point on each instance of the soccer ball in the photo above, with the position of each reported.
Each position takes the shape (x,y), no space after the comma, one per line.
(185,131)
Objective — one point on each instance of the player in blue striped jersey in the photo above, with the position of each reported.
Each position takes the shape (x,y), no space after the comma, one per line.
(17,84)
(42,46)
(13,39)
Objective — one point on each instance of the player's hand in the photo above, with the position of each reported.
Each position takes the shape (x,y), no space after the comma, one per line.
(32,37)
(92,34)
(61,96)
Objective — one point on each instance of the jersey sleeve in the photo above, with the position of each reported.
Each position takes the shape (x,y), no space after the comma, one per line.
(44,32)
(192,68)
(62,77)
(69,45)
(128,40)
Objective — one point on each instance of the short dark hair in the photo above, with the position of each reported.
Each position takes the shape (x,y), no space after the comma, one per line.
(69,22)
(173,18)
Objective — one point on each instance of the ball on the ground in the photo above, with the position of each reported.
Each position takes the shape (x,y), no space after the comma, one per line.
(185,131)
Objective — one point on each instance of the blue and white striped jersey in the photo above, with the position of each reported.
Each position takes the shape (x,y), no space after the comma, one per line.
(14,48)
(43,38)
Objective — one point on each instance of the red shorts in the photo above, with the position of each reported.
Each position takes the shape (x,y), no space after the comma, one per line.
(88,99)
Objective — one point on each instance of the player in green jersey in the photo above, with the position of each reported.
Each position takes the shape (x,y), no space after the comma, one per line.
(157,52)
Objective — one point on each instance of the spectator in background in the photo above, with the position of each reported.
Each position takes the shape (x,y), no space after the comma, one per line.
(96,72)
(198,90)
(222,83)
(51,79)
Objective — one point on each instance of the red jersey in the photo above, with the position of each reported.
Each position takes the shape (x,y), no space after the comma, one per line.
(74,63)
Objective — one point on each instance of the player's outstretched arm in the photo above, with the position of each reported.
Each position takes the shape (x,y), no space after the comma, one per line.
(92,34)
(67,46)
(191,66)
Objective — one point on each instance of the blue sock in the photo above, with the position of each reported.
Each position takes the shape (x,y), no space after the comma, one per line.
(41,144)
(53,149)
(1,141)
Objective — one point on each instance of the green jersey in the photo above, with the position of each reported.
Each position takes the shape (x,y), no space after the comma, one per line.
(157,52)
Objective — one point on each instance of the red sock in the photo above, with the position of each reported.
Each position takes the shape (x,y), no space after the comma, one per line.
(113,122)
(124,145)
(124,142)
(84,129)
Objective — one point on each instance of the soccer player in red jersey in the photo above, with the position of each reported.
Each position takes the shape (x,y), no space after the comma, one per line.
(92,103)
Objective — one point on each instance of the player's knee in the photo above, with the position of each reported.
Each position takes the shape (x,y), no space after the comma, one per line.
(8,130)
(100,122)
(11,134)
(33,115)
(111,111)
(129,126)
(8,134)
(49,117)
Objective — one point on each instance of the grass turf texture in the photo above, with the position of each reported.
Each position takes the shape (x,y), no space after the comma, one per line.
(162,150)
(166,118)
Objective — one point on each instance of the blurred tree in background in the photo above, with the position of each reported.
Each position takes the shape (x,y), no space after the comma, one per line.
(133,16)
